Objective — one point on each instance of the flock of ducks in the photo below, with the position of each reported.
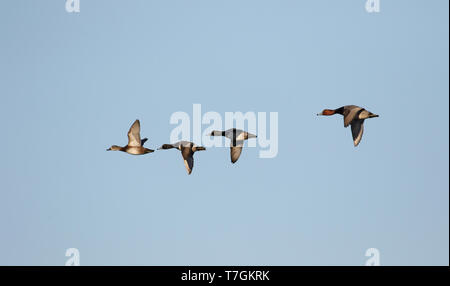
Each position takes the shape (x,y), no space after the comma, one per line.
(135,144)
(353,116)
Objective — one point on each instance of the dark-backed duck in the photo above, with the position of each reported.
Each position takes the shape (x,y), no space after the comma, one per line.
(187,151)
(237,138)
(135,144)
(354,116)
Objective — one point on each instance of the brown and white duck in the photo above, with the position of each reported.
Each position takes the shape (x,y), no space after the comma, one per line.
(135,144)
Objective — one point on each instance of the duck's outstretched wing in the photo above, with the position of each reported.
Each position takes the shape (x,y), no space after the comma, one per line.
(189,164)
(134,137)
(236,150)
(188,158)
(143,141)
(357,131)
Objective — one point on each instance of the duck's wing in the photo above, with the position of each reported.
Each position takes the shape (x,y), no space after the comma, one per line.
(236,150)
(357,131)
(134,137)
(188,158)
(350,112)
(143,141)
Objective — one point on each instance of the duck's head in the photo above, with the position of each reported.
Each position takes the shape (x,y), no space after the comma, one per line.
(327,112)
(216,133)
(165,146)
(114,148)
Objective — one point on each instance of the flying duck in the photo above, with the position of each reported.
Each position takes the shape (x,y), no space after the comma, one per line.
(354,116)
(187,151)
(237,138)
(135,144)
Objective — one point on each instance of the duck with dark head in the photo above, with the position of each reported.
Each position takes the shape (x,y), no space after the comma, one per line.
(354,116)
(187,151)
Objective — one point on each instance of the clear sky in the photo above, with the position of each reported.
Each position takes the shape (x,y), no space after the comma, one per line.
(72,84)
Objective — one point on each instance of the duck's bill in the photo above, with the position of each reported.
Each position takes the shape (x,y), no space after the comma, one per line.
(373,115)
(109,149)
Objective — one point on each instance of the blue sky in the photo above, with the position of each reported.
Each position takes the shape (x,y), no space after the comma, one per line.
(72,84)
